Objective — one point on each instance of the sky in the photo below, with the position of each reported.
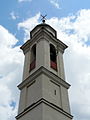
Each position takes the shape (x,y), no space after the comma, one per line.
(71,20)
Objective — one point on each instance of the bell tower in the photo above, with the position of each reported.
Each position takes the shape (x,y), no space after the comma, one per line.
(44,91)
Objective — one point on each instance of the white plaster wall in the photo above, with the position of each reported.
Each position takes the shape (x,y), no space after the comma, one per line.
(51,114)
(42,54)
(47,54)
(26,65)
(30,94)
(48,89)
(65,99)
(22,101)
(34,91)
(34,114)
(60,65)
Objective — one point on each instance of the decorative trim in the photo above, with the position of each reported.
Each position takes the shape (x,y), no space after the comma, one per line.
(55,83)
(43,34)
(42,100)
(42,26)
(31,83)
(43,70)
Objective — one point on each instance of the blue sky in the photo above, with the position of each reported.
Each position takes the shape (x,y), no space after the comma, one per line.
(25,9)
(28,9)
(71,19)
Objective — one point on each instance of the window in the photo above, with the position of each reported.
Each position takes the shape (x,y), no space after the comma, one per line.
(54,92)
(33,57)
(53,57)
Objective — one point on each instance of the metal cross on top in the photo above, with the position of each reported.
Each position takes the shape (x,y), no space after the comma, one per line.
(43,18)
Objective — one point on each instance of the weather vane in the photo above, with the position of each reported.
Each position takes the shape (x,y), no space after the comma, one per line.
(43,18)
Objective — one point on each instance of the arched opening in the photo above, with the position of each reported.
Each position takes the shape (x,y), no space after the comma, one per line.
(53,57)
(33,57)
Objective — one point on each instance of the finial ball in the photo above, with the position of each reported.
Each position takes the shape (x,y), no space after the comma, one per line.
(43,21)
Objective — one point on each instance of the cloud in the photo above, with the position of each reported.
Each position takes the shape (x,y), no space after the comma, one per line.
(75,32)
(5,99)
(24,0)
(55,3)
(10,74)
(13,15)
(8,39)
(28,25)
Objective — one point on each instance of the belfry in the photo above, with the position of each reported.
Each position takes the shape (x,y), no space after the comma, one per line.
(44,91)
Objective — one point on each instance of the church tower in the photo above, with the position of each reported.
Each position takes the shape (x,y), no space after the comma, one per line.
(44,91)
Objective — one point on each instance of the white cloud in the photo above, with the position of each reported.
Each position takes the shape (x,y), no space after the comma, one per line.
(6,110)
(24,0)
(11,60)
(28,25)
(75,32)
(8,39)
(13,15)
(55,3)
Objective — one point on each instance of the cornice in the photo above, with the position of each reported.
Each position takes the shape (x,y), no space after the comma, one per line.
(42,100)
(46,35)
(43,26)
(40,71)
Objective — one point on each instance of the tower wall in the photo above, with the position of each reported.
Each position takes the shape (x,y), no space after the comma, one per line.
(26,65)
(44,91)
(43,58)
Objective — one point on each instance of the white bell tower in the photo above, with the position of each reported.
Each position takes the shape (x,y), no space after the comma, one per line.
(44,91)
